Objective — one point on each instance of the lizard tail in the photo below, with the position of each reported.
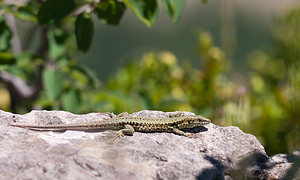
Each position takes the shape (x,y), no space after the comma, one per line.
(57,127)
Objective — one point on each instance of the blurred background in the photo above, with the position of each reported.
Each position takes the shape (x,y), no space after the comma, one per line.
(235,62)
(238,27)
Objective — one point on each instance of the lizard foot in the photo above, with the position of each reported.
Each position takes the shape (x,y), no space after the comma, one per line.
(191,135)
(119,135)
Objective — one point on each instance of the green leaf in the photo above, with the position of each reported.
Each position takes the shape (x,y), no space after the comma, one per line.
(173,8)
(145,10)
(84,30)
(71,100)
(110,12)
(92,79)
(25,13)
(5,35)
(6,58)
(204,1)
(55,10)
(57,43)
(52,81)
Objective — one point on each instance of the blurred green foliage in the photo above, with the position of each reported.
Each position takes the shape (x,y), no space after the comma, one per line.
(266,105)
(275,80)
(37,47)
(158,81)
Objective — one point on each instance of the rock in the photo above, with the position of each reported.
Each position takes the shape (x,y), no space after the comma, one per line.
(214,153)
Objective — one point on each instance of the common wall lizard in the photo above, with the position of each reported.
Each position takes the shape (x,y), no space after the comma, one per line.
(127,125)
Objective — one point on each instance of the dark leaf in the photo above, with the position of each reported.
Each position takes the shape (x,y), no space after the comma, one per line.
(6,58)
(110,12)
(55,10)
(173,8)
(145,10)
(5,35)
(84,30)
(25,13)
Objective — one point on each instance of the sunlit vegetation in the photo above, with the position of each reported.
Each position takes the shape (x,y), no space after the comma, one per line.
(40,72)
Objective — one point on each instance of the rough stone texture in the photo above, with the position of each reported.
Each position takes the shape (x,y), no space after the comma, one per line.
(215,153)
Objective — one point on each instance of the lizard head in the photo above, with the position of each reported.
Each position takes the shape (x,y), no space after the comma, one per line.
(193,121)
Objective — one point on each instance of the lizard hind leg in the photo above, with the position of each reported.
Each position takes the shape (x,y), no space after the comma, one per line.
(111,115)
(176,114)
(181,133)
(123,114)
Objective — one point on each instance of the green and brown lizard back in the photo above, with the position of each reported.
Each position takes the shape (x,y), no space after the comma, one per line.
(127,125)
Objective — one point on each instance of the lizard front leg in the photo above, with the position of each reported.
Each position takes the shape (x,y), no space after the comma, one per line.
(127,130)
(176,114)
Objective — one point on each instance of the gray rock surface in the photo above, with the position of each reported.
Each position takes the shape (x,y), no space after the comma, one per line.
(215,152)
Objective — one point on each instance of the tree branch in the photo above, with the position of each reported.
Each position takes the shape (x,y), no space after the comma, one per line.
(16,43)
(19,90)
(18,85)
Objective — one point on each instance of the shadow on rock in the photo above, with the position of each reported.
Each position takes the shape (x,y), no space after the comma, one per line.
(216,172)
(253,166)
(294,171)
(196,129)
